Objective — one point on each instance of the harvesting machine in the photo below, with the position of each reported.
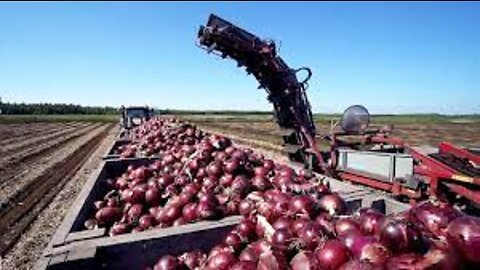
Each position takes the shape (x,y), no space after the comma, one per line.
(358,152)
(132,116)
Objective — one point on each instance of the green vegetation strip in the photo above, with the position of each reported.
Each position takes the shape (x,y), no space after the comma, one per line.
(10,119)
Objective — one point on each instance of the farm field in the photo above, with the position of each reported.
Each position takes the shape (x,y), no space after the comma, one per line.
(37,159)
(259,130)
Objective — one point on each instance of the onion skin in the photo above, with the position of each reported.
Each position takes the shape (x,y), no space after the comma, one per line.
(434,218)
(463,234)
(244,265)
(303,261)
(118,228)
(375,253)
(272,261)
(193,259)
(357,264)
(310,236)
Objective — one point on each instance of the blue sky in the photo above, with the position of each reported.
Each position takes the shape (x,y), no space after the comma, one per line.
(401,57)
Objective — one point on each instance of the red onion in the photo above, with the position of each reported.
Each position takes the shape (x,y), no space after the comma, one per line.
(282,238)
(208,198)
(282,223)
(246,229)
(246,207)
(215,169)
(152,196)
(206,210)
(331,255)
(193,259)
(309,236)
(226,180)
(464,235)
(325,221)
(221,261)
(261,183)
(302,204)
(118,228)
(179,221)
(261,171)
(209,183)
(332,203)
(299,224)
(171,213)
(401,237)
(249,254)
(240,184)
(371,222)
(349,238)
(113,202)
(229,150)
(108,215)
(167,263)
(361,242)
(146,221)
(189,212)
(233,240)
(346,224)
(434,217)
(268,164)
(90,224)
(165,180)
(232,165)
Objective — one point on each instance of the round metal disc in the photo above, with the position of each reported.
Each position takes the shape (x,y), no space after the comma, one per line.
(355,119)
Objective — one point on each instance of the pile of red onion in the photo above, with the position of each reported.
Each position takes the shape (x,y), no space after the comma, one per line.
(197,177)
(305,236)
(290,221)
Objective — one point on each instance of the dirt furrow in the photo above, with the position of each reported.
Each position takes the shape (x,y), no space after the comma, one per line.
(29,133)
(35,238)
(27,204)
(15,180)
(11,132)
(28,153)
(15,175)
(37,139)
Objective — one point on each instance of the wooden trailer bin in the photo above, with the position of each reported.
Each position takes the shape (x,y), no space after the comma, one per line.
(138,250)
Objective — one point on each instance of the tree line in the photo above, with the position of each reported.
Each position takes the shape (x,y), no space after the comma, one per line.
(53,108)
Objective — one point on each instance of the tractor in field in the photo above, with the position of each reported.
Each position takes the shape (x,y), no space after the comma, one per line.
(132,116)
(358,153)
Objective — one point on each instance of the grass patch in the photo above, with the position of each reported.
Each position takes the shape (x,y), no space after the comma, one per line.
(326,118)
